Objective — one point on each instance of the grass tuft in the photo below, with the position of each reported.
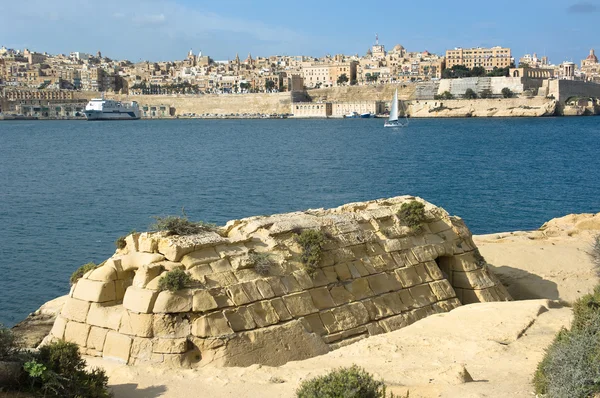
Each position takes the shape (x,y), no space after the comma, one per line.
(78,274)
(174,280)
(412,214)
(311,241)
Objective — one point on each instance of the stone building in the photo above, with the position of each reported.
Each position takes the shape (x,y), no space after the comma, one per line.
(488,58)
(254,301)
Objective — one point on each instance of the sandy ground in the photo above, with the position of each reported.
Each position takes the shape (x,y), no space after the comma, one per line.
(498,344)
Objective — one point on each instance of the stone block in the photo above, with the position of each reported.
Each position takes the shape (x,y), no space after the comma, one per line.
(220,279)
(105,316)
(135,324)
(117,347)
(148,242)
(359,288)
(425,253)
(464,262)
(343,272)
(251,291)
(240,319)
(105,273)
(173,302)
(153,284)
(341,295)
(171,326)
(442,289)
(96,338)
(231,250)
(304,280)
(263,313)
(174,248)
(330,275)
(95,291)
(75,310)
(211,325)
(300,304)
(407,299)
(472,280)
(320,279)
(77,333)
(290,284)
(170,346)
(139,300)
(222,265)
(422,295)
(141,349)
(203,301)
(221,297)
(282,312)
(197,272)
(264,288)
(315,324)
(198,257)
(439,226)
(354,272)
(238,294)
(58,328)
(246,275)
(408,277)
(277,286)
(145,274)
(394,245)
(322,298)
(132,242)
(422,272)
(362,268)
(394,323)
(329,322)
(383,283)
(241,262)
(133,261)
(120,288)
(350,316)
(434,270)
(388,305)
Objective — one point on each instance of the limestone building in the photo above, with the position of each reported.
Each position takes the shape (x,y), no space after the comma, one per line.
(488,58)
(254,301)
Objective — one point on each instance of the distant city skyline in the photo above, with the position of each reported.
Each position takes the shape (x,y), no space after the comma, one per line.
(166,30)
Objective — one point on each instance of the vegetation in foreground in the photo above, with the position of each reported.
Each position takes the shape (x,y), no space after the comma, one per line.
(81,271)
(57,370)
(262,263)
(571,365)
(412,214)
(175,225)
(352,382)
(311,241)
(174,280)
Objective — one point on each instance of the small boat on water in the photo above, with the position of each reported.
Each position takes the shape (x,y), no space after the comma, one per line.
(353,115)
(366,115)
(393,120)
(103,109)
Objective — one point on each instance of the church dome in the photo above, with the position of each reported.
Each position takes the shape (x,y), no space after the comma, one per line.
(398,48)
(592,57)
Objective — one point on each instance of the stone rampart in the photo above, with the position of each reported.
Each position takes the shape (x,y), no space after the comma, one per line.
(499,107)
(375,275)
(562,90)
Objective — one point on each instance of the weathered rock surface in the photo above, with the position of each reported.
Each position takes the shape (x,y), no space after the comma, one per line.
(376,275)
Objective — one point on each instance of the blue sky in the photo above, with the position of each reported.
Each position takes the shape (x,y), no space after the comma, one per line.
(166,29)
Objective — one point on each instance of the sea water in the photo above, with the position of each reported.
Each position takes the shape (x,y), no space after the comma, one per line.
(69,189)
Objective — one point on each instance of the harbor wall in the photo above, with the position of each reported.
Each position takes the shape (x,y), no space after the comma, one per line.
(500,107)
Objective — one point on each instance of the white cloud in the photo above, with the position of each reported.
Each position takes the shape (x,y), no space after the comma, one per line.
(149,19)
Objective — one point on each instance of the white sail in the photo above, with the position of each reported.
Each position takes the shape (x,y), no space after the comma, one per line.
(394,109)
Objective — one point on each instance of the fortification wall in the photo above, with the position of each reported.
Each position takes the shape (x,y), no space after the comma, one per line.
(500,107)
(565,89)
(457,87)
(375,275)
(377,92)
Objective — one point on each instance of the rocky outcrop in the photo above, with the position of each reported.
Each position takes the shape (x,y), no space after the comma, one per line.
(375,275)
(504,107)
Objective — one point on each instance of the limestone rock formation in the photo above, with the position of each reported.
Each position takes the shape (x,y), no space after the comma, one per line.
(375,275)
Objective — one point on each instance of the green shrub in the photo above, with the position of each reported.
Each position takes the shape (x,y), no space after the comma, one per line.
(262,263)
(174,280)
(120,243)
(595,253)
(78,274)
(59,371)
(311,241)
(412,213)
(9,344)
(571,365)
(470,94)
(352,382)
(180,226)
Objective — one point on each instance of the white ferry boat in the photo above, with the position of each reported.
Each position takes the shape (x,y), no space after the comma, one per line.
(103,109)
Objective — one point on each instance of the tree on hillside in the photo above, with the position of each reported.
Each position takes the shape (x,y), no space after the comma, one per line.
(478,71)
(446,95)
(507,92)
(499,72)
(342,79)
(269,84)
(470,94)
(457,71)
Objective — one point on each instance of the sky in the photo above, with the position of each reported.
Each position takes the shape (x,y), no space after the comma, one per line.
(159,30)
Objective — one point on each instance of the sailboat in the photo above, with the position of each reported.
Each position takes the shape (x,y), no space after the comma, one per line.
(393,120)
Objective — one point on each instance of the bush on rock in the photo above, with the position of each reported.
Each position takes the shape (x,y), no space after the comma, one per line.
(412,213)
(174,280)
(181,226)
(352,382)
(81,271)
(311,241)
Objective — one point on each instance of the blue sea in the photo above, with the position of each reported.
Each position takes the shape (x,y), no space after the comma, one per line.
(68,189)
